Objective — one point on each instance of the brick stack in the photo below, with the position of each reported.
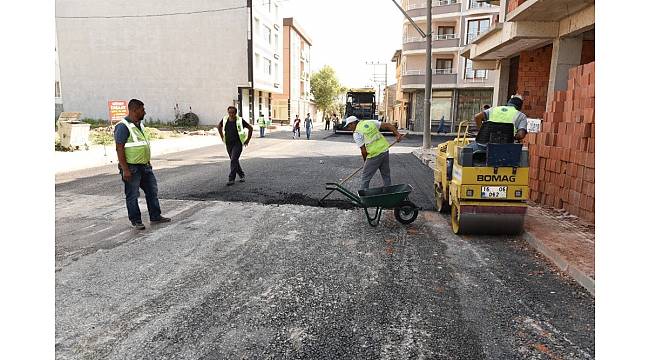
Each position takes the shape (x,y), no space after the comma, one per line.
(562,154)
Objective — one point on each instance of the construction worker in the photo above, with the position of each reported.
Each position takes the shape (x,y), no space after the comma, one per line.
(261,122)
(134,156)
(374,147)
(507,114)
(232,129)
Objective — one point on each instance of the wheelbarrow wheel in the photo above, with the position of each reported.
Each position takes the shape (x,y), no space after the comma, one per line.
(406,213)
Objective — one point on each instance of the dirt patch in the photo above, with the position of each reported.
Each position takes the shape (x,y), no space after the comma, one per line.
(302,199)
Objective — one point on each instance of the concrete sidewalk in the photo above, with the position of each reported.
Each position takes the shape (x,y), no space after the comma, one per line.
(566,240)
(98,156)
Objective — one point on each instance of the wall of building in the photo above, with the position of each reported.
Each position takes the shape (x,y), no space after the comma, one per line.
(266,14)
(162,60)
(532,82)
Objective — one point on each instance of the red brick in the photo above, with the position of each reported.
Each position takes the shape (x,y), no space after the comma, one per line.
(589,115)
(580,172)
(591,145)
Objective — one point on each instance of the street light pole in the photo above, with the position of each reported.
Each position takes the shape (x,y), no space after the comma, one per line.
(426,139)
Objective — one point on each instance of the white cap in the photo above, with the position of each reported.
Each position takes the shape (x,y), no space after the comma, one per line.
(350,120)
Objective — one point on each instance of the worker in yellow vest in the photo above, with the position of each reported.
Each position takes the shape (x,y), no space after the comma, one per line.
(261,122)
(490,120)
(374,147)
(232,129)
(134,156)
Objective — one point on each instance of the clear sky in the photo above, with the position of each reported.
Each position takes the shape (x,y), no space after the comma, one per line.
(348,33)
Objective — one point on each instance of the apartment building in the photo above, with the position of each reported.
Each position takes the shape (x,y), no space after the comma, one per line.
(458,89)
(202,54)
(58,101)
(296,99)
(545,50)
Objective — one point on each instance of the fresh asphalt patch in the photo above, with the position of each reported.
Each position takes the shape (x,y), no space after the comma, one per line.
(296,180)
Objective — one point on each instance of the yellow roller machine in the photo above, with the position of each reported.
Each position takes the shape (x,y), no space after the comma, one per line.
(486,191)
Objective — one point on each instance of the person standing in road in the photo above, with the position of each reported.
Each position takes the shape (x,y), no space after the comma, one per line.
(261,122)
(309,123)
(232,129)
(327,122)
(374,147)
(441,127)
(296,126)
(134,157)
(335,122)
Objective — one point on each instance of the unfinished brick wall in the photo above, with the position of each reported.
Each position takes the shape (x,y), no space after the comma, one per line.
(562,155)
(512,4)
(532,82)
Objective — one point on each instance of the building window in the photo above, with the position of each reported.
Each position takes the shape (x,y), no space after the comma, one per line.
(444,66)
(277,43)
(256,30)
(473,4)
(470,73)
(57,89)
(475,28)
(276,13)
(267,66)
(257,61)
(445,32)
(267,35)
(277,73)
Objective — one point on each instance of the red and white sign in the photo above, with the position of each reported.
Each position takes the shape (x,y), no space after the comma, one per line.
(116,110)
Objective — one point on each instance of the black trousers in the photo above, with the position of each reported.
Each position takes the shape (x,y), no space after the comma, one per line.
(234,152)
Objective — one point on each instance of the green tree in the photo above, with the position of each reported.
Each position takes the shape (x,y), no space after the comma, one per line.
(325,87)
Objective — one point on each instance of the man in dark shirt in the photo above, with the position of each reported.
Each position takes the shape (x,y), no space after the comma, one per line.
(232,131)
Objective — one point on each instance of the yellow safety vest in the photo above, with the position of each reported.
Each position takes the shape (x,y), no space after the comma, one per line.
(137,148)
(240,129)
(504,115)
(261,121)
(375,142)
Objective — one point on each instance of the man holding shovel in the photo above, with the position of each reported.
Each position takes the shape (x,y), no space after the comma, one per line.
(374,147)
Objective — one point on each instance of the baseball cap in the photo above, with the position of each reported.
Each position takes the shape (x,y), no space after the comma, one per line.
(350,119)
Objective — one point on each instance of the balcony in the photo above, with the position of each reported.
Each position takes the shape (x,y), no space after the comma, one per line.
(439,42)
(416,78)
(419,9)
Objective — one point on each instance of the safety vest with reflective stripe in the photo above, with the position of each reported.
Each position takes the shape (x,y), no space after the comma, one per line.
(375,142)
(240,129)
(137,148)
(504,115)
(261,121)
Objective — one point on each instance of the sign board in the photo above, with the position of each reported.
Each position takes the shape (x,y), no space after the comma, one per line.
(534,125)
(116,110)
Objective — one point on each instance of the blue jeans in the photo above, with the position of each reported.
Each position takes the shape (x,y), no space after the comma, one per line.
(142,177)
(308,131)
(262,132)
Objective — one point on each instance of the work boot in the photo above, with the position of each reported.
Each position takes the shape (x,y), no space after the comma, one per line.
(242,179)
(138,225)
(161,220)
(230,182)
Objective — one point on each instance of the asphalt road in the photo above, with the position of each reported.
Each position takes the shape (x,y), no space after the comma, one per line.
(252,271)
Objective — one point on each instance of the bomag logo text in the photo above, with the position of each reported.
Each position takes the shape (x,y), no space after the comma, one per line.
(505,178)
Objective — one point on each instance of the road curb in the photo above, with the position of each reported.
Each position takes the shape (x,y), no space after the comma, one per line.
(579,276)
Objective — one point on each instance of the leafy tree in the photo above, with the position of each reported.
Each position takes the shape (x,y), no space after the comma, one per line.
(325,87)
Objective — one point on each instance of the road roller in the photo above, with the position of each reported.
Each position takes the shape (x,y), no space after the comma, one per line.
(485,190)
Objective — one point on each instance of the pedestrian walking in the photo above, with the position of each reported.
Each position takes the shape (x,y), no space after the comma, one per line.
(233,134)
(441,127)
(374,147)
(327,122)
(261,122)
(134,157)
(296,126)
(309,123)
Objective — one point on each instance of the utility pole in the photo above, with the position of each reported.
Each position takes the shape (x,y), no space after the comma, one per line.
(379,82)
(426,139)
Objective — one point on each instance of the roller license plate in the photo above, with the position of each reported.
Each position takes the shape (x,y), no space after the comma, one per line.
(494,192)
